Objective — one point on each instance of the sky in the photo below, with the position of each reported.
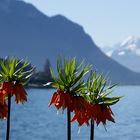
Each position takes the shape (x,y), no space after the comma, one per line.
(106,21)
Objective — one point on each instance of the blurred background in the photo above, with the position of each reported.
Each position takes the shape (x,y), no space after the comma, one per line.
(103,33)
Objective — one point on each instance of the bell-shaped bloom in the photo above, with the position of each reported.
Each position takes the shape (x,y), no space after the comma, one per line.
(2,96)
(104,113)
(81,118)
(3,111)
(61,99)
(5,89)
(98,112)
(80,110)
(78,103)
(20,93)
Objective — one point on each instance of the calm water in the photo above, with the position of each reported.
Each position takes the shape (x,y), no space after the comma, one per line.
(35,121)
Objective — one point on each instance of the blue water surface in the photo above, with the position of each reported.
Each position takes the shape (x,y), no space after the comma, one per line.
(35,121)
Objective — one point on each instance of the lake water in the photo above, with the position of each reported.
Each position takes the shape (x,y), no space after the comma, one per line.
(35,121)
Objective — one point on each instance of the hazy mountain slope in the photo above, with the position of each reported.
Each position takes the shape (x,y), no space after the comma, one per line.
(26,32)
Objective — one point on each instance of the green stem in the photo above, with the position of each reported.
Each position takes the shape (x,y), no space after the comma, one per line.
(8,118)
(92,130)
(68,124)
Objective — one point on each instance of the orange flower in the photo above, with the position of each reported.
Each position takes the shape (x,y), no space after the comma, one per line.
(2,96)
(80,110)
(5,89)
(79,117)
(20,93)
(98,112)
(79,103)
(61,99)
(3,111)
(104,113)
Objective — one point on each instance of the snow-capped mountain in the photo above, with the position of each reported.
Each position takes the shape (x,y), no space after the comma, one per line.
(130,46)
(126,53)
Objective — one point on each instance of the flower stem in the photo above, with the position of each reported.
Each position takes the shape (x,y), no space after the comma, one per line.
(68,125)
(8,117)
(92,130)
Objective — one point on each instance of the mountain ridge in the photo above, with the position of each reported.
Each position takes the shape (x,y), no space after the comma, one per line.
(41,37)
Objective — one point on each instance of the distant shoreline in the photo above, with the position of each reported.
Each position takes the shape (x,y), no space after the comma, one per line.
(37,86)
